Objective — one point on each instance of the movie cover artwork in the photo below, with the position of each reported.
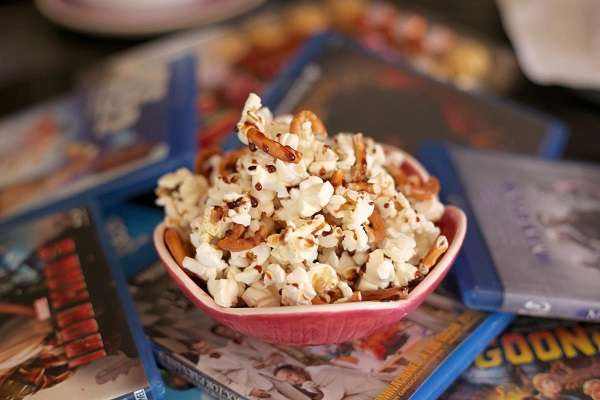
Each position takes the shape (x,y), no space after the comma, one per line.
(62,330)
(547,250)
(178,388)
(389,364)
(536,359)
(74,143)
(354,92)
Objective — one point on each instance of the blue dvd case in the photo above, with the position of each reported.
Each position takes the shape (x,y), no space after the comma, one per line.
(355,89)
(532,246)
(416,358)
(106,141)
(61,281)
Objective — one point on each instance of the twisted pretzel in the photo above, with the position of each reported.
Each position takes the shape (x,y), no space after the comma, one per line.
(301,117)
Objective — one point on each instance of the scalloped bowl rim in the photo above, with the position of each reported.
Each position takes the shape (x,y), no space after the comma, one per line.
(441,267)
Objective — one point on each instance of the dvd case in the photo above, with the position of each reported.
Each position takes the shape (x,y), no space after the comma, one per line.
(129,226)
(535,359)
(533,244)
(106,140)
(67,326)
(416,358)
(355,89)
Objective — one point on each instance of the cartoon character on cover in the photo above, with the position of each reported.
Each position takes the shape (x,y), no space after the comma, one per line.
(241,363)
(326,382)
(592,388)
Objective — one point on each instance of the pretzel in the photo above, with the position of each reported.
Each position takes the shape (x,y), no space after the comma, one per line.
(361,186)
(202,158)
(228,161)
(439,248)
(378,225)
(301,117)
(177,247)
(337,179)
(416,189)
(384,294)
(360,167)
(271,147)
(234,242)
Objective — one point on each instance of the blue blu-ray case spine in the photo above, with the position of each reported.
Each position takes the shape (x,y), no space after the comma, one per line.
(462,356)
(478,282)
(474,263)
(156,390)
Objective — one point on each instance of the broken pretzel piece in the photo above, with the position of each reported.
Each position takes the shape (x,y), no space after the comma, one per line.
(378,225)
(203,156)
(233,240)
(384,294)
(227,164)
(439,248)
(359,172)
(271,147)
(176,246)
(301,117)
(413,185)
(362,187)
(337,179)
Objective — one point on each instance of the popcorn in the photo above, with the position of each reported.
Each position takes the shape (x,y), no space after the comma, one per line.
(180,193)
(298,288)
(199,269)
(431,209)
(274,276)
(223,291)
(297,217)
(249,276)
(210,257)
(311,196)
(261,296)
(323,277)
(379,273)
(356,240)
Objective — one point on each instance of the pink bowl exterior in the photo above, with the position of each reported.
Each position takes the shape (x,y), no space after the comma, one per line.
(322,324)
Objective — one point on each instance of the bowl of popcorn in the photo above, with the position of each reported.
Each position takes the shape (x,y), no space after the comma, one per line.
(303,238)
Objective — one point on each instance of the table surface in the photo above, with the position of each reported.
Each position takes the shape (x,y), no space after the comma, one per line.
(41,60)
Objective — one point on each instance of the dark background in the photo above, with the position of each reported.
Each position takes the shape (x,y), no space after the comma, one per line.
(40,60)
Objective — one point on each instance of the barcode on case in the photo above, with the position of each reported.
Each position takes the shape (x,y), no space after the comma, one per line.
(140,395)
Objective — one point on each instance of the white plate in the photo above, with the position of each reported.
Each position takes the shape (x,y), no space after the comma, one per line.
(137,17)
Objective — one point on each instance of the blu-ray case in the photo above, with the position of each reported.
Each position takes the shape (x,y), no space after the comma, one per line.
(416,358)
(355,89)
(533,244)
(129,226)
(67,324)
(535,359)
(109,139)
